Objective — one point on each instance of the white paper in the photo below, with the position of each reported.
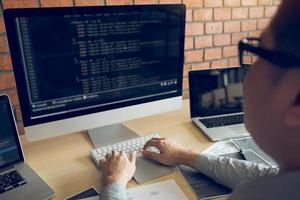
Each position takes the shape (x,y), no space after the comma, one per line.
(166,190)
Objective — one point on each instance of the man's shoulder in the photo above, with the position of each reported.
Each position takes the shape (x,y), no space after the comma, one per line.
(282,186)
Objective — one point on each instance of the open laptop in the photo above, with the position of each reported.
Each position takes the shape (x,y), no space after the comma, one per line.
(17,179)
(216,102)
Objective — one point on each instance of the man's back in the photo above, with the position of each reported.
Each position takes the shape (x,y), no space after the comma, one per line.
(282,186)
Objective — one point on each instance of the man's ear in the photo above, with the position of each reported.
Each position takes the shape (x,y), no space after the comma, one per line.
(292,116)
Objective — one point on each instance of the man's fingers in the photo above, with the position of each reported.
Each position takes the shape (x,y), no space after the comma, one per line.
(132,157)
(152,155)
(101,161)
(107,156)
(156,138)
(122,153)
(153,142)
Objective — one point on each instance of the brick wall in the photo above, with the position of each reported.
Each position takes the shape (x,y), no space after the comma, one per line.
(213,29)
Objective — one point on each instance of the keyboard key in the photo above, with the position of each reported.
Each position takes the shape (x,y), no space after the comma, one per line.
(10,180)
(128,147)
(222,121)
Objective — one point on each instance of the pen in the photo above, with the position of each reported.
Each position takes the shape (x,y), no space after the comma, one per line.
(240,150)
(242,154)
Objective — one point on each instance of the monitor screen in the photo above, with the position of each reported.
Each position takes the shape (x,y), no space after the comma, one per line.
(76,61)
(10,151)
(217,91)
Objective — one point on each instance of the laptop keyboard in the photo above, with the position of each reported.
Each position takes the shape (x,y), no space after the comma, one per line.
(223,121)
(10,180)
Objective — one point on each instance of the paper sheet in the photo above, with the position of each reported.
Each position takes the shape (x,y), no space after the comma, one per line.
(166,190)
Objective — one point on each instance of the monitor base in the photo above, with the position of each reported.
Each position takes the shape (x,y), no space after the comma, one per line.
(108,135)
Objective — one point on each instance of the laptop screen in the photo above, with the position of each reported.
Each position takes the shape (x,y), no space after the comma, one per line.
(216,91)
(10,151)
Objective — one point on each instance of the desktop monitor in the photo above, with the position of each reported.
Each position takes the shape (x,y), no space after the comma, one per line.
(79,68)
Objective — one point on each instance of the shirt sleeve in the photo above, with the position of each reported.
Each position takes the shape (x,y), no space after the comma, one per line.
(113,191)
(231,172)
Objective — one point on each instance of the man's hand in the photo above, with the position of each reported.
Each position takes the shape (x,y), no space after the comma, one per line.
(170,153)
(118,168)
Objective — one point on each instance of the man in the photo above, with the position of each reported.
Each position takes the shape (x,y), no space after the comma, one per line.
(272,116)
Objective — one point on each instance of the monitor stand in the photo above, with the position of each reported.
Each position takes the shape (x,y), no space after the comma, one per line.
(108,135)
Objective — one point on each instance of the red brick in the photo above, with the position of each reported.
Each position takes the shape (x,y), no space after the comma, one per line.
(277,2)
(230,51)
(249,25)
(247,59)
(203,14)
(56,3)
(232,3)
(254,33)
(222,13)
(20,128)
(3,44)
(213,53)
(2,25)
(236,37)
(200,66)
(213,3)
(203,41)
(249,2)
(232,26)
(189,15)
(119,2)
(5,62)
(234,62)
(270,11)
(193,3)
(263,23)
(186,69)
(7,81)
(193,56)
(89,2)
(189,43)
(219,63)
(239,13)
(13,96)
(194,29)
(19,3)
(18,114)
(265,2)
(185,83)
(169,1)
(222,40)
(256,12)
(213,27)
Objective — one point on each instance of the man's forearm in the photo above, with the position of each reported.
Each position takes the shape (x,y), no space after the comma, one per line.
(188,158)
(231,172)
(113,191)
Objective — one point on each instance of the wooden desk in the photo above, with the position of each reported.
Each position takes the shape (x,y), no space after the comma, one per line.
(65,164)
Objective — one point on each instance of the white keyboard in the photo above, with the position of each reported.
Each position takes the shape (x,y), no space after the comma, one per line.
(127,146)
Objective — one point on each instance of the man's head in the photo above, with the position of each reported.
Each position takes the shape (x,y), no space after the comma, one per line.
(272,93)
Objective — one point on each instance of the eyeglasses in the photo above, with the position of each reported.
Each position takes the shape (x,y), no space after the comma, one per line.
(250,49)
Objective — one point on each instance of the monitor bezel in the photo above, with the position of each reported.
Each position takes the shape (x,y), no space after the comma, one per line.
(11,14)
